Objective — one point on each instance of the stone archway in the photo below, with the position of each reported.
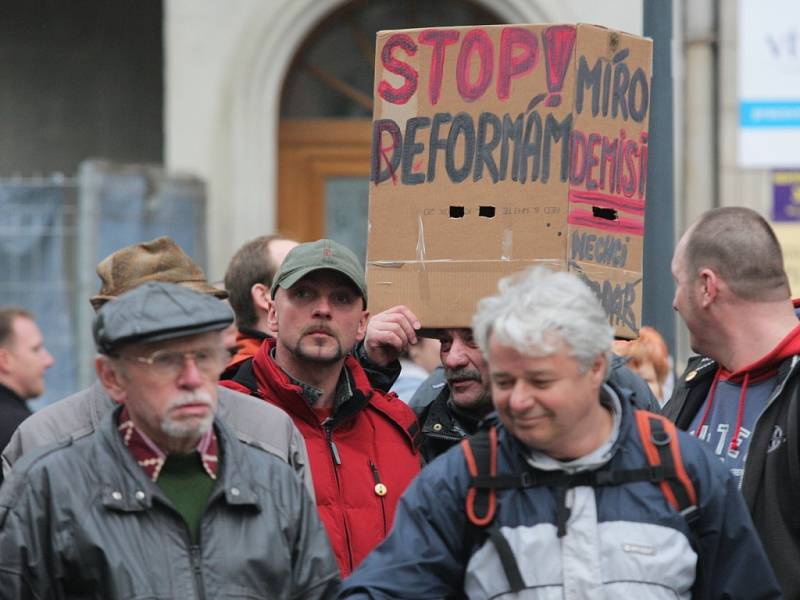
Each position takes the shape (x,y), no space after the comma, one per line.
(243,179)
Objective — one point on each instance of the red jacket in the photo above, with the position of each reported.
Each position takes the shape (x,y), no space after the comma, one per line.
(248,341)
(364,450)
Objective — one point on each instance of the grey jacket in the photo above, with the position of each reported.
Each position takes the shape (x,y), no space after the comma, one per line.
(253,421)
(81,519)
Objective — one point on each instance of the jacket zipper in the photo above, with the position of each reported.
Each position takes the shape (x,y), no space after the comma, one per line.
(380,486)
(196,561)
(195,550)
(331,444)
(327,426)
(778,391)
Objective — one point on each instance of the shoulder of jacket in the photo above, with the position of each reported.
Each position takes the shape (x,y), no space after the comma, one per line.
(243,408)
(253,450)
(397,414)
(70,417)
(392,407)
(27,469)
(428,390)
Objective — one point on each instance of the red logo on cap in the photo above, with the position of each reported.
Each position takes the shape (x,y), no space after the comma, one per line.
(327,252)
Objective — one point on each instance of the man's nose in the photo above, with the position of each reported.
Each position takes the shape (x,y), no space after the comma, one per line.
(322,307)
(521,396)
(457,355)
(191,377)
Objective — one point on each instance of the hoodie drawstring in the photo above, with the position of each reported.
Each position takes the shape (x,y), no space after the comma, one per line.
(734,445)
(740,413)
(699,431)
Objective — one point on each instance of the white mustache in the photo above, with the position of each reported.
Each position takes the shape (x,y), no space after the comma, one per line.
(196,397)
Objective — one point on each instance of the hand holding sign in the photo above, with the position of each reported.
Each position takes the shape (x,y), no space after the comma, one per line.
(389,333)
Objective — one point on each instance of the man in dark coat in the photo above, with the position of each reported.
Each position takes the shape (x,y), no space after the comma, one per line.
(741,395)
(23,362)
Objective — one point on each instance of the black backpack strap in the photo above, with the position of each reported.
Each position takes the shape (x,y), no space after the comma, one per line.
(661,448)
(247,377)
(507,559)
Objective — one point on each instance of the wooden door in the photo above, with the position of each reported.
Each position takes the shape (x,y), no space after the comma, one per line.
(312,154)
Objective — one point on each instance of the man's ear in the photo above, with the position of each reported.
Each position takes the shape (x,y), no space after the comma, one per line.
(112,379)
(272,316)
(261,297)
(362,325)
(710,287)
(598,370)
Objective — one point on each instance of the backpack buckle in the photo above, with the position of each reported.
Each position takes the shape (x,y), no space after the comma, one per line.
(603,477)
(691,514)
(660,437)
(658,474)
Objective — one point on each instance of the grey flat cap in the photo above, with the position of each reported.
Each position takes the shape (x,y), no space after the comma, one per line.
(157,311)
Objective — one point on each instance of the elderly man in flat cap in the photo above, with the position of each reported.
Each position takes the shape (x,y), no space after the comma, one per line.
(161,259)
(162,501)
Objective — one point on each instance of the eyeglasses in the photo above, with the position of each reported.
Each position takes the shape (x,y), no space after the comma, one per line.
(170,363)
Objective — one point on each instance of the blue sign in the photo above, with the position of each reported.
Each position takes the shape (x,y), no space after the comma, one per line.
(769,114)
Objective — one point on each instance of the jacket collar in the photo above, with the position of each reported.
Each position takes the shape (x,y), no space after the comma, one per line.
(276,385)
(151,458)
(101,404)
(443,418)
(124,486)
(7,392)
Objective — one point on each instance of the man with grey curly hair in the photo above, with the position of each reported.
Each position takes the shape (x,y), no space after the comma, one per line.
(548,331)
(560,498)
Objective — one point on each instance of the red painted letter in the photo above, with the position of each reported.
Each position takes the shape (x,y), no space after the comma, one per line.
(476,40)
(398,67)
(512,66)
(439,39)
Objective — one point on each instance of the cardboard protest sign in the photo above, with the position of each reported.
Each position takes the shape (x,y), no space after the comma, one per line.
(500,147)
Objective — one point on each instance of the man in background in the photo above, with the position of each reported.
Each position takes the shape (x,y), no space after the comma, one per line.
(248,281)
(741,396)
(23,362)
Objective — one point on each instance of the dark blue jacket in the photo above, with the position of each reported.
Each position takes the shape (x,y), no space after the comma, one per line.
(621,541)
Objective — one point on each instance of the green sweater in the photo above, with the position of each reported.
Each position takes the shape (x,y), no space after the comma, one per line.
(186,483)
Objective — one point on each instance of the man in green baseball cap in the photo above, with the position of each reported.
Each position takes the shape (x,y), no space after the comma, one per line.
(360,442)
(249,280)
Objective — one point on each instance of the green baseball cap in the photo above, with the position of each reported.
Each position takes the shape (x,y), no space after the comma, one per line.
(322,254)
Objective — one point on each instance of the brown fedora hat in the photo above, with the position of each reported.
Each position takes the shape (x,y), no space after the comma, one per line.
(160,259)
